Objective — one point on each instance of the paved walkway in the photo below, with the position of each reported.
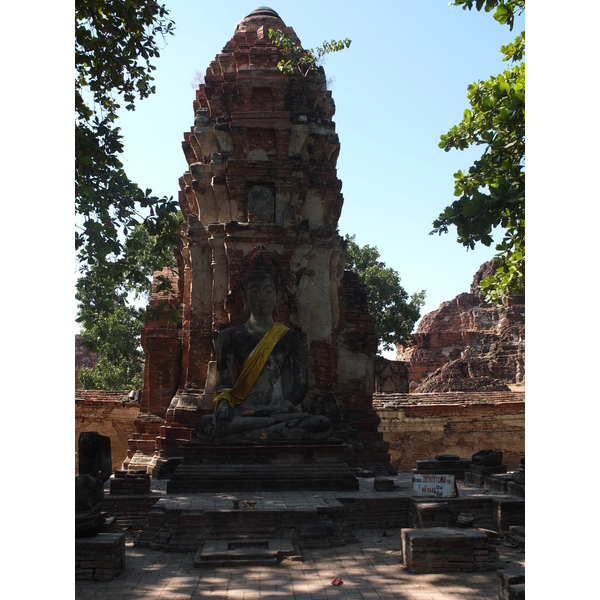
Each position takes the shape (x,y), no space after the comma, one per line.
(370,569)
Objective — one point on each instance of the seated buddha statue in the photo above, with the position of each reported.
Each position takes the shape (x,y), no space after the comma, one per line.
(262,374)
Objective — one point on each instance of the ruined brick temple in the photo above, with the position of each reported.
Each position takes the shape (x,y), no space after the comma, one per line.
(261,173)
(261,189)
(468,344)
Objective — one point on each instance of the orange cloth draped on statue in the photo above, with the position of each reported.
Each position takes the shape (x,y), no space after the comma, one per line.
(252,367)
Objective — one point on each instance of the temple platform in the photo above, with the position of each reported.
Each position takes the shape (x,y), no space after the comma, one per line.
(262,466)
(184,522)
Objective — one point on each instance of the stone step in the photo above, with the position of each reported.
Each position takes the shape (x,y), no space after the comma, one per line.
(245,551)
(269,476)
(511,583)
(182,530)
(517,535)
(499,482)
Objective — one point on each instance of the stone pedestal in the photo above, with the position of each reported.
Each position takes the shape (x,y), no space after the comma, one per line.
(447,549)
(243,552)
(100,558)
(261,466)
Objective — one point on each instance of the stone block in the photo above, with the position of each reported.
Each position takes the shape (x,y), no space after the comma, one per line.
(446,549)
(229,552)
(381,484)
(507,513)
(516,489)
(511,583)
(101,557)
(456,467)
(447,457)
(130,483)
(487,458)
(433,514)
(266,466)
(487,470)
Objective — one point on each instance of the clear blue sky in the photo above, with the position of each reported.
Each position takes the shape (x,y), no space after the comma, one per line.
(400,85)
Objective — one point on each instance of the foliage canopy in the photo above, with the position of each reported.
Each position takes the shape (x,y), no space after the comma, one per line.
(492,192)
(297,60)
(393,310)
(122,233)
(110,295)
(115,41)
(121,360)
(504,10)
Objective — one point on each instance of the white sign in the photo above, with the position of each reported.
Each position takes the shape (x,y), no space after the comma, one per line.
(433,485)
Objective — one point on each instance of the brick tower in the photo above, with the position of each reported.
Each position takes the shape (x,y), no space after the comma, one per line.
(262,173)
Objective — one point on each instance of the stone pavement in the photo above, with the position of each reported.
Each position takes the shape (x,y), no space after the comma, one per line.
(371,568)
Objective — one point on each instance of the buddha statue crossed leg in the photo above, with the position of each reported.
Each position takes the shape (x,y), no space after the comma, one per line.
(263,401)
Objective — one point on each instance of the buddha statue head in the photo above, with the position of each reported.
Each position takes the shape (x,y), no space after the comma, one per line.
(260,288)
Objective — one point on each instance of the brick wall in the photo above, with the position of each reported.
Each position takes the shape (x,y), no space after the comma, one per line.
(390,376)
(423,425)
(415,425)
(389,400)
(102,411)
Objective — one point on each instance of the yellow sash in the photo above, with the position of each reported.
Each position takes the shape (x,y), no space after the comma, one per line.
(252,367)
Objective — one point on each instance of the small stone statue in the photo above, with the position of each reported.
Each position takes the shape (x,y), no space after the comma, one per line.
(95,467)
(94,455)
(263,402)
(89,497)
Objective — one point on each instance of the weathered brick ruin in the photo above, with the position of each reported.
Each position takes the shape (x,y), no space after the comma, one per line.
(262,173)
(390,376)
(419,426)
(468,345)
(108,412)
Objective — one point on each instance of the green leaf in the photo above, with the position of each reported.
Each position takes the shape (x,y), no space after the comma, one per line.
(491,193)
(394,312)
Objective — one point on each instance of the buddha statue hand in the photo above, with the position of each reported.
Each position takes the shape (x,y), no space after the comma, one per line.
(223,416)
